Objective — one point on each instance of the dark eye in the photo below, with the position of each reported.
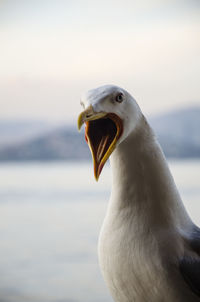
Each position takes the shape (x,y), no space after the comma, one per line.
(119,97)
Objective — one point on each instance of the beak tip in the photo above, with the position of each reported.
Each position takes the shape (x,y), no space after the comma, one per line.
(80,122)
(96,174)
(96,178)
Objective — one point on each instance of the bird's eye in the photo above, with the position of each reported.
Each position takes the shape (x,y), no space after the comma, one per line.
(119,98)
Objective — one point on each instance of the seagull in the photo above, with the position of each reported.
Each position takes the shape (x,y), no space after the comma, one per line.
(149,248)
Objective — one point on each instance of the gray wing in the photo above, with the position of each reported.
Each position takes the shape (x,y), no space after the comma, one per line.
(190,267)
(190,270)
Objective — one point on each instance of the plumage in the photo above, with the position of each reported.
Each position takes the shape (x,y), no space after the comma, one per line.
(149,249)
(190,269)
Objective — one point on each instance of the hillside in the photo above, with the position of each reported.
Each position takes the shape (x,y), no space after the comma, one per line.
(59,144)
(13,131)
(177,132)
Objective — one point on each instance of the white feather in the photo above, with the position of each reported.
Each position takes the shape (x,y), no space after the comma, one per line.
(145,229)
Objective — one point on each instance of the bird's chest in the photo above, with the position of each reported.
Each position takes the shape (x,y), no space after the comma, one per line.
(130,262)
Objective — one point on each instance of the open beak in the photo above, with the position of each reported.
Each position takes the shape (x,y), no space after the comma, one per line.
(102,132)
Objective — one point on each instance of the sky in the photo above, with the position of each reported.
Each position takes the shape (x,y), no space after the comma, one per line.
(53,51)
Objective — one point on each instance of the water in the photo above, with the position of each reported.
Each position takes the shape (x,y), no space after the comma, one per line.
(50,217)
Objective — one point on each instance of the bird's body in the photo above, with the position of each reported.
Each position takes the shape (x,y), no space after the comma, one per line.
(145,223)
(149,248)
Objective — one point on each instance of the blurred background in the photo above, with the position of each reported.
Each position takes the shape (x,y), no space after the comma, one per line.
(51,209)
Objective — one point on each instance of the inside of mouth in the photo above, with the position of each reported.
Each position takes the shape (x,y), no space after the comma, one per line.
(101,133)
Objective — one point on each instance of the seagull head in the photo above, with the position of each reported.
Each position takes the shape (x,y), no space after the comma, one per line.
(110,114)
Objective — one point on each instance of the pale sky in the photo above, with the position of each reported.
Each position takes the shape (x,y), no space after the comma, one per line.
(52,51)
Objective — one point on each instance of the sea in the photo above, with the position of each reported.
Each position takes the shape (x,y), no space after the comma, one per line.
(50,217)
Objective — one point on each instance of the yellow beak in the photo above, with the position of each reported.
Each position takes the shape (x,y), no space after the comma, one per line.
(101,141)
(89,115)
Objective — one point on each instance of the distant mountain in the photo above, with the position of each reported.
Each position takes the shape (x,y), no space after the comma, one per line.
(177,131)
(13,131)
(62,143)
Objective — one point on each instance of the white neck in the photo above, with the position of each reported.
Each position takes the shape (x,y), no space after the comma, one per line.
(142,183)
